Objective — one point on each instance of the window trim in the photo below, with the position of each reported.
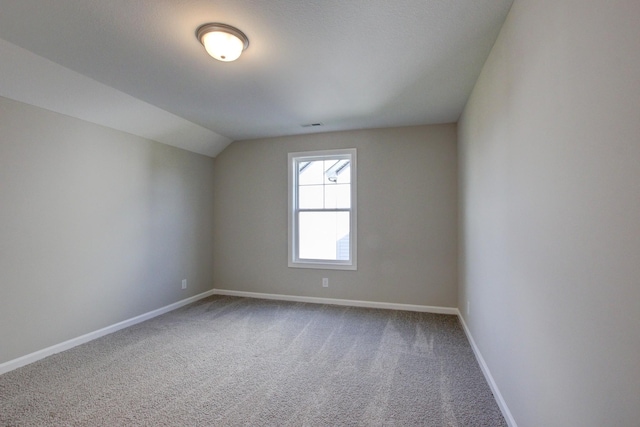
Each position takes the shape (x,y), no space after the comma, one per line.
(294,260)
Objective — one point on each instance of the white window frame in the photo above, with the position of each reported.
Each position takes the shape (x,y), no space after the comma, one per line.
(294,259)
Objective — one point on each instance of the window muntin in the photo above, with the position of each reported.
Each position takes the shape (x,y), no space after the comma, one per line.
(322,214)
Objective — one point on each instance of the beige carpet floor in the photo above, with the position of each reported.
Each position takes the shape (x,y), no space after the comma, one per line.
(227,361)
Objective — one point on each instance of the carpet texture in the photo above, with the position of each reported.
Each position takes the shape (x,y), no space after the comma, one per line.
(227,361)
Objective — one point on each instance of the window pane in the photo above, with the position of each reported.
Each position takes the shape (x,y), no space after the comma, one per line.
(310,173)
(323,235)
(337,196)
(310,197)
(339,171)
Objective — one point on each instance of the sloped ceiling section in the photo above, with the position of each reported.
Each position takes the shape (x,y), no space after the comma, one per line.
(137,65)
(34,80)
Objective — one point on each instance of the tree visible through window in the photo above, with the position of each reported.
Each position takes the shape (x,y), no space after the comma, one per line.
(322,220)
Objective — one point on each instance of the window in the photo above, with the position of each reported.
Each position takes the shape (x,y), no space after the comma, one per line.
(322,209)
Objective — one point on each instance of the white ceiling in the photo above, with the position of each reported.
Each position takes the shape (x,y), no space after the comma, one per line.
(349,64)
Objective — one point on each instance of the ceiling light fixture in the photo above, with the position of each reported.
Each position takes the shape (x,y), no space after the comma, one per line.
(222,41)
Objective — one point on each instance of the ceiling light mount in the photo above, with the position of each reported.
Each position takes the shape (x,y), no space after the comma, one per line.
(223,42)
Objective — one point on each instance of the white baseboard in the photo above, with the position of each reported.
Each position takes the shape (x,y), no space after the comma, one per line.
(487,374)
(57,348)
(347,302)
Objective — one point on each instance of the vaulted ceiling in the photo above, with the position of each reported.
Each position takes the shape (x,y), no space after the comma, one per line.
(348,64)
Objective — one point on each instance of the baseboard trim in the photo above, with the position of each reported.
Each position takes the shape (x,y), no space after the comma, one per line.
(74,342)
(335,301)
(487,374)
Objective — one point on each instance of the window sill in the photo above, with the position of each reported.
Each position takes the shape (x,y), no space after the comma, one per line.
(322,265)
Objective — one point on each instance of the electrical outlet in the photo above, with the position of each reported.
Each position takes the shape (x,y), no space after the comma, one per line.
(325,282)
(184,283)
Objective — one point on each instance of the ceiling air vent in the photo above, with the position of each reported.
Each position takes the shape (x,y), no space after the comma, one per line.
(312,125)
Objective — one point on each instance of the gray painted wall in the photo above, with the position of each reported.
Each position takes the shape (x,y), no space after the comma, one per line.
(96,226)
(407,209)
(550,160)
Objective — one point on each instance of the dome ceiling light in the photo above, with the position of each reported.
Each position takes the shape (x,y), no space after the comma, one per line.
(223,42)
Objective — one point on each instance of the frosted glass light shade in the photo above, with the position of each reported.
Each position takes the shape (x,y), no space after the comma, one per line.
(223,46)
(223,42)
